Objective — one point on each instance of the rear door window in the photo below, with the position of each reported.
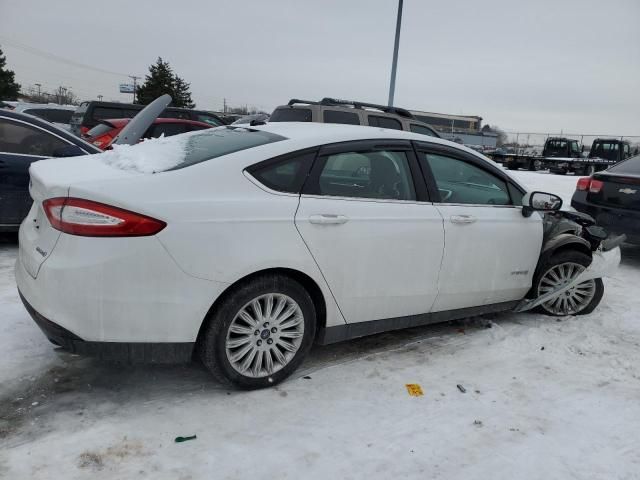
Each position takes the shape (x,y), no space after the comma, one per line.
(291,115)
(337,116)
(17,137)
(384,122)
(376,175)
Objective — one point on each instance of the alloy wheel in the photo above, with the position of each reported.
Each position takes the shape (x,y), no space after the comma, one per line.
(573,300)
(265,335)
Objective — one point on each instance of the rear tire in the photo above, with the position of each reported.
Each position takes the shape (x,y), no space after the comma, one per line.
(512,166)
(581,299)
(284,319)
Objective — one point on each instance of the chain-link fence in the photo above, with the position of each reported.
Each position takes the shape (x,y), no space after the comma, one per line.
(533,142)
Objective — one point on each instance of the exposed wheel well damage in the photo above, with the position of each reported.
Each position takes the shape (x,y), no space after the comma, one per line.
(305,280)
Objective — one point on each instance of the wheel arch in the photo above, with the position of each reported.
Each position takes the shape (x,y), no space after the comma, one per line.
(566,241)
(309,284)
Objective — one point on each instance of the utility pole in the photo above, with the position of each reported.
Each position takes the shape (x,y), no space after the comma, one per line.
(135,84)
(224,105)
(38,85)
(100,97)
(394,63)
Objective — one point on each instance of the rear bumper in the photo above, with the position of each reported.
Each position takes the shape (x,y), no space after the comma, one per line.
(112,351)
(614,220)
(116,291)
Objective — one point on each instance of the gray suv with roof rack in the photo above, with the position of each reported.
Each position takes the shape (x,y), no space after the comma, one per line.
(331,110)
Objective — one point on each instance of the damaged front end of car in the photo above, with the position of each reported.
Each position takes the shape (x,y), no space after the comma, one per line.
(568,231)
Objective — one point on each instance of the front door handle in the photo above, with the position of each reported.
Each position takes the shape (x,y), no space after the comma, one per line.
(328,219)
(464,219)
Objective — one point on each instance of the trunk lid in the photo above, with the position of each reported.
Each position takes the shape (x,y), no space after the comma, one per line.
(618,191)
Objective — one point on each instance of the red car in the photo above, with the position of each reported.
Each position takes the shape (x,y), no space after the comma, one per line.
(103,134)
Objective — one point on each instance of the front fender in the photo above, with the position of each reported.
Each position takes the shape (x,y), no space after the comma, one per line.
(562,240)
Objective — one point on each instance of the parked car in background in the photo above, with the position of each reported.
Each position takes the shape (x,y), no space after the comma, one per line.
(25,139)
(59,115)
(247,119)
(103,134)
(331,110)
(247,244)
(612,197)
(89,114)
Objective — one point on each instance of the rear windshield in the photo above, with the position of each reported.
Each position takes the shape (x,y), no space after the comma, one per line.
(291,115)
(630,166)
(607,150)
(216,142)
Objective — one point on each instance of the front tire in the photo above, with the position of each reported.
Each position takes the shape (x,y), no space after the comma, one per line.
(558,269)
(260,332)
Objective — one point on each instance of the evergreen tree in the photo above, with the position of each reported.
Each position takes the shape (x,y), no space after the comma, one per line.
(183,95)
(9,89)
(161,80)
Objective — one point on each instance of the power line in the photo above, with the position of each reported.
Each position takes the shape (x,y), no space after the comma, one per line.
(58,58)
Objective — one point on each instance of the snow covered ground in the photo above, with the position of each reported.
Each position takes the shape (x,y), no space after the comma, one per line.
(545,399)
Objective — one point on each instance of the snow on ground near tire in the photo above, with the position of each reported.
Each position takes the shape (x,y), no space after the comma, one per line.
(545,398)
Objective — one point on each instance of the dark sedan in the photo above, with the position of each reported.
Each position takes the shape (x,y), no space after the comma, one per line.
(612,197)
(25,139)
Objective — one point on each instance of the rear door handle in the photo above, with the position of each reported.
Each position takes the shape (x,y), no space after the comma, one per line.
(328,219)
(464,219)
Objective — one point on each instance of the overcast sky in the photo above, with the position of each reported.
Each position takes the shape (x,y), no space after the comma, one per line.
(539,66)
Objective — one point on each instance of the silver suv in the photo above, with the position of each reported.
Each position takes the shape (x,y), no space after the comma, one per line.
(331,110)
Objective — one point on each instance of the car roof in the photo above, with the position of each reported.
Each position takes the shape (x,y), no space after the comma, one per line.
(316,133)
(39,122)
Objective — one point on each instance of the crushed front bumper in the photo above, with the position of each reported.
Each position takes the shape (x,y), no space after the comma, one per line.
(603,264)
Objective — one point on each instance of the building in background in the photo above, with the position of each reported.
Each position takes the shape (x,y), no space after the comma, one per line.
(465,129)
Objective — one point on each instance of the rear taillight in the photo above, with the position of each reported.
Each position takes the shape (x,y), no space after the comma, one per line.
(595,186)
(590,184)
(583,184)
(77,216)
(103,142)
(83,131)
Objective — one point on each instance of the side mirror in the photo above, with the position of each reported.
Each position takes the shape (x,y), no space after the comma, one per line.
(68,151)
(540,201)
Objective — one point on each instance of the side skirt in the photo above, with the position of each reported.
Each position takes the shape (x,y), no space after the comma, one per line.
(348,331)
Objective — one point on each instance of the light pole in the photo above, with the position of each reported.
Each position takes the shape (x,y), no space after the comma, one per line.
(38,85)
(394,63)
(100,97)
(135,79)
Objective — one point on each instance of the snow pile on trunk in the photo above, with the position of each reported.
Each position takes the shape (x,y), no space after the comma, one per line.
(150,156)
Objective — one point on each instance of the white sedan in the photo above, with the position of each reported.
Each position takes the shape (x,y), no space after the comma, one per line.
(246,245)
